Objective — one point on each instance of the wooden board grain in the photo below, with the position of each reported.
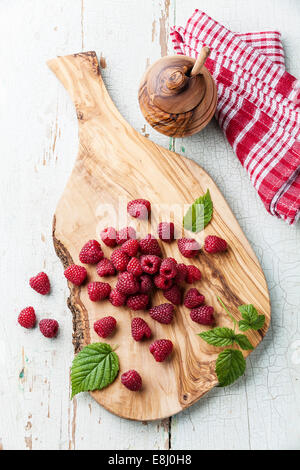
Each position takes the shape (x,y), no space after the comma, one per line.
(114,161)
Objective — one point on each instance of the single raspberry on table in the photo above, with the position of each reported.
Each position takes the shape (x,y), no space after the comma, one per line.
(193,298)
(75,274)
(213,244)
(126,233)
(119,259)
(168,268)
(138,301)
(132,380)
(181,275)
(116,298)
(139,208)
(91,252)
(166,231)
(150,246)
(150,263)
(27,317)
(127,283)
(162,313)
(203,315)
(48,327)
(173,295)
(188,247)
(161,349)
(134,267)
(140,329)
(40,283)
(98,290)
(162,282)
(146,284)
(193,274)
(105,267)
(105,326)
(131,247)
(109,236)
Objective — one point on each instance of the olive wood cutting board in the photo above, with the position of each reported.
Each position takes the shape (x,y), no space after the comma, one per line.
(115,163)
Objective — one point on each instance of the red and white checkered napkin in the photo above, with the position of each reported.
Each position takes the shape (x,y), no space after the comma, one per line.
(258,106)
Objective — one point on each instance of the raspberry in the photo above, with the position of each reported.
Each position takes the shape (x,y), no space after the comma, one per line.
(105,268)
(27,317)
(146,284)
(116,298)
(166,231)
(91,253)
(173,295)
(162,313)
(193,298)
(98,290)
(105,326)
(168,268)
(108,236)
(150,263)
(75,274)
(131,247)
(162,282)
(161,349)
(140,329)
(40,283)
(127,283)
(149,246)
(134,267)
(48,327)
(213,244)
(182,271)
(188,247)
(138,301)
(193,274)
(125,234)
(132,380)
(139,208)
(119,259)
(203,315)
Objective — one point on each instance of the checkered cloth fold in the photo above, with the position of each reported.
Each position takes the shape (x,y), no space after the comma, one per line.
(258,106)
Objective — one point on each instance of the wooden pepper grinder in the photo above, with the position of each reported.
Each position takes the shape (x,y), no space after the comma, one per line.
(178,95)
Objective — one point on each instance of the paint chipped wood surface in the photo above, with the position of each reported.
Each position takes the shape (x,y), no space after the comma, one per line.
(39,146)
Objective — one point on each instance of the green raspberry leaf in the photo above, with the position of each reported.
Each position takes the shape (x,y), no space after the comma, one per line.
(94,368)
(219,336)
(230,366)
(251,319)
(259,323)
(199,214)
(243,342)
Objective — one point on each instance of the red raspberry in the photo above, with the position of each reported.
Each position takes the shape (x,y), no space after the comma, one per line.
(75,274)
(40,283)
(203,315)
(162,313)
(132,380)
(105,268)
(125,234)
(138,301)
(91,253)
(140,329)
(188,247)
(182,271)
(116,298)
(173,295)
(161,349)
(168,268)
(27,317)
(134,267)
(108,236)
(49,327)
(166,231)
(162,282)
(127,283)
(98,290)
(213,244)
(193,298)
(149,246)
(150,263)
(146,284)
(105,326)
(131,247)
(119,259)
(139,208)
(193,274)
